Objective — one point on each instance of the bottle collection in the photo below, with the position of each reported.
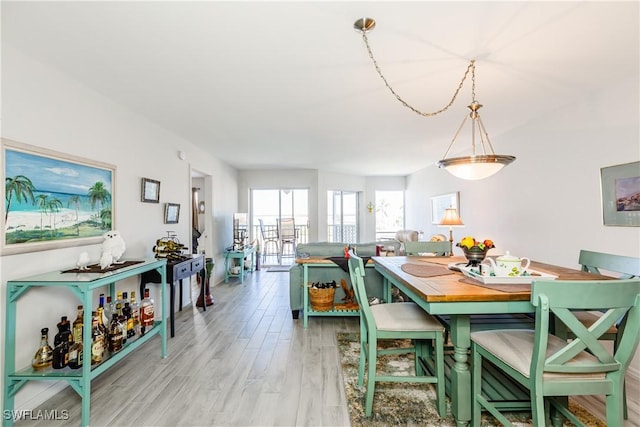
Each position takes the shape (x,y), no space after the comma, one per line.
(113,324)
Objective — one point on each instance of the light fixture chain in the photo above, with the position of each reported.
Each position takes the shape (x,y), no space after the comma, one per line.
(470,67)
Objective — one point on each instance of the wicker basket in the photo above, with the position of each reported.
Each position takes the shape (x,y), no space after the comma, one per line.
(321,299)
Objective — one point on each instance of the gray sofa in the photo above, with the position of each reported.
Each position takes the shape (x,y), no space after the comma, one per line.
(327,274)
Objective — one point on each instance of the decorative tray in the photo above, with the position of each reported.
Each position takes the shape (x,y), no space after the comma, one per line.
(528,276)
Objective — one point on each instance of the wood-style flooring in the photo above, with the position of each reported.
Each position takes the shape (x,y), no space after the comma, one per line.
(243,362)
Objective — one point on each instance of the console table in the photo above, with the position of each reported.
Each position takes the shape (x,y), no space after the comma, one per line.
(240,254)
(82,286)
(176,271)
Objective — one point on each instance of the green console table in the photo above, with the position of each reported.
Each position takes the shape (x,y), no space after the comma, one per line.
(82,286)
(240,255)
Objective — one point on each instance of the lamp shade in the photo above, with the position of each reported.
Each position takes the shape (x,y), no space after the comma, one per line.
(451,218)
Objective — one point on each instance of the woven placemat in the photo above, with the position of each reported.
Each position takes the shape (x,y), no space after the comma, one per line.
(95,268)
(511,287)
(422,270)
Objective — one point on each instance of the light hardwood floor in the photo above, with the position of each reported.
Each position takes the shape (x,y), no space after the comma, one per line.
(243,362)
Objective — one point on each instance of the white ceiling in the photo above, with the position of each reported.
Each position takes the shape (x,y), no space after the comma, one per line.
(290,85)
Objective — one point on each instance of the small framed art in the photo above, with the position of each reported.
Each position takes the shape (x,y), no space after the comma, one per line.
(150,190)
(171,213)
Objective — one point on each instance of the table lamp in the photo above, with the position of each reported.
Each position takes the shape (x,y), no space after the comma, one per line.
(451,219)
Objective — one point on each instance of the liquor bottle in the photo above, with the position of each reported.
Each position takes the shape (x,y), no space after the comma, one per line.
(44,355)
(101,323)
(135,313)
(125,298)
(128,315)
(115,334)
(108,309)
(97,340)
(78,326)
(60,356)
(77,330)
(147,315)
(118,300)
(122,323)
(64,330)
(105,313)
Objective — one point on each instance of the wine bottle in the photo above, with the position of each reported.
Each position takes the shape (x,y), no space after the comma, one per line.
(44,355)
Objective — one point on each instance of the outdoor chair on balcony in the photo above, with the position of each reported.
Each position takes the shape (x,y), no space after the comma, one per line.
(287,235)
(270,239)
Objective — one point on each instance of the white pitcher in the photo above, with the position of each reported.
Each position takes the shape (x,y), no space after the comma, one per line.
(508,265)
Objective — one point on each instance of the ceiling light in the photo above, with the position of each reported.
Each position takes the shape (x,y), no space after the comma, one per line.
(483,161)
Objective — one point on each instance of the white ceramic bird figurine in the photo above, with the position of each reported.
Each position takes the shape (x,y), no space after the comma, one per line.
(113,248)
(83,261)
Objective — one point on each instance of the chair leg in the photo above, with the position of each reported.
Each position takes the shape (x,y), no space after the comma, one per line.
(371,377)
(440,386)
(363,352)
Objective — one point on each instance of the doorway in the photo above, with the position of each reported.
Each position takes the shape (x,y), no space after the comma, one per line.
(268,208)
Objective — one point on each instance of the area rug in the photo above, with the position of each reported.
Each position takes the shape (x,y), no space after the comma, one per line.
(405,404)
(279,268)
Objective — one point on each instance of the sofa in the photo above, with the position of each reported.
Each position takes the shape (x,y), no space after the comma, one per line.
(328,274)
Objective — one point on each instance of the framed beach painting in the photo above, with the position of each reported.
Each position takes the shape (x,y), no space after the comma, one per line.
(620,186)
(54,200)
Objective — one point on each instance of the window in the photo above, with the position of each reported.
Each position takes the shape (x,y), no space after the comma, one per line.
(342,219)
(389,213)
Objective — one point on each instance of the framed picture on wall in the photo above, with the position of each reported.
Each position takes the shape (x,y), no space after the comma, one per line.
(171,213)
(54,200)
(150,190)
(442,202)
(620,187)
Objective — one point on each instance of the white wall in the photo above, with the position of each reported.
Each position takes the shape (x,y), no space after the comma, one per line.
(546,205)
(43,108)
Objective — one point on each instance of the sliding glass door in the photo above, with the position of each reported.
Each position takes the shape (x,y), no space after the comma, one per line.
(342,219)
(269,207)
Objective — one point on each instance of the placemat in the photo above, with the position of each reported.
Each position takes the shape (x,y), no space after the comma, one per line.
(95,268)
(420,270)
(511,287)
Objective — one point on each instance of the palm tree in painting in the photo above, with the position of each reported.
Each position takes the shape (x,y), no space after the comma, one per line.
(105,217)
(42,203)
(99,195)
(53,205)
(19,187)
(75,201)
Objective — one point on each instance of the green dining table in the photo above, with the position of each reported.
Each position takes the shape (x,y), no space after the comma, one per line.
(450,293)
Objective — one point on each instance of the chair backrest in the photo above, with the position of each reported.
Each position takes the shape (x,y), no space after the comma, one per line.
(356,274)
(616,298)
(594,262)
(416,248)
(407,236)
(268,233)
(287,229)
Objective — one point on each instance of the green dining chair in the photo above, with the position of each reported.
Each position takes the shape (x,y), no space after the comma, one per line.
(552,368)
(617,266)
(417,248)
(396,321)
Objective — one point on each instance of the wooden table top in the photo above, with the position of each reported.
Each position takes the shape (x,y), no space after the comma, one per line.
(458,288)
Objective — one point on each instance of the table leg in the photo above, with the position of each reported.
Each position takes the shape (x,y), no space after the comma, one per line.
(226,268)
(180,303)
(305,295)
(460,374)
(242,269)
(172,299)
